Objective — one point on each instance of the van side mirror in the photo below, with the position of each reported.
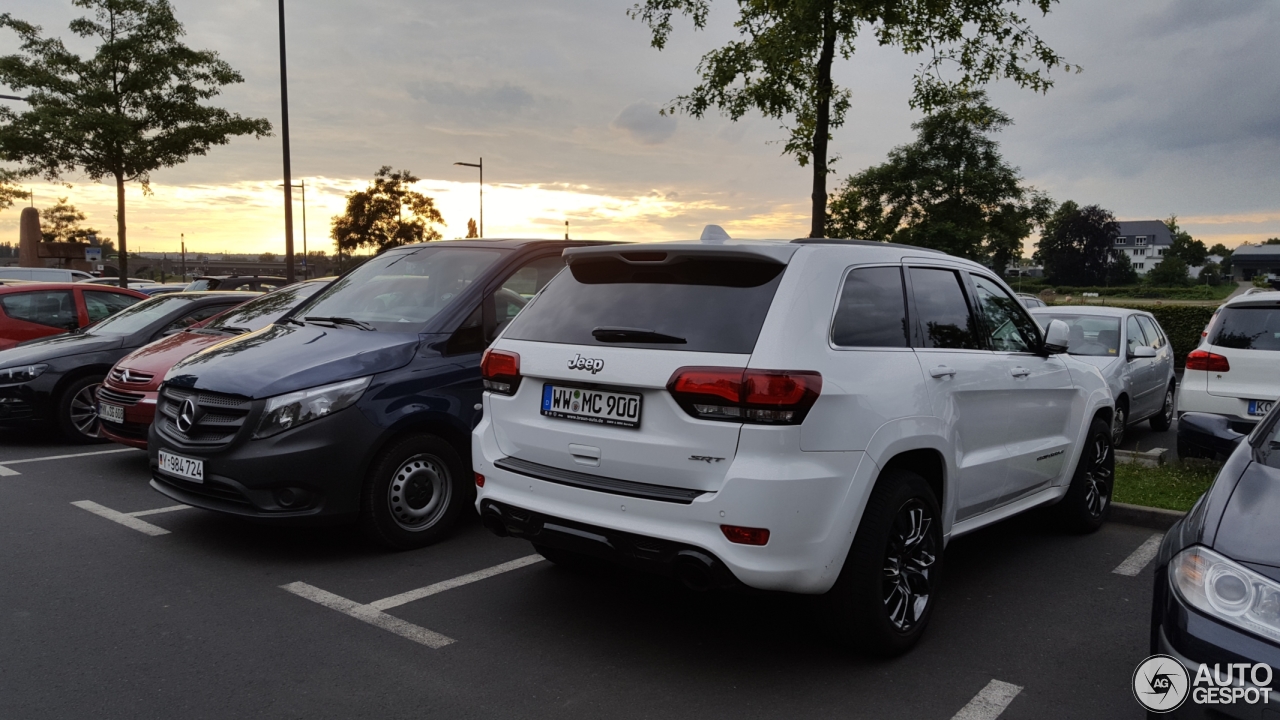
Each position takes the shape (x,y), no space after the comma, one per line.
(1056,337)
(1142,351)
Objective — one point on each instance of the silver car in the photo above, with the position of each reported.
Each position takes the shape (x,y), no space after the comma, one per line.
(1134,355)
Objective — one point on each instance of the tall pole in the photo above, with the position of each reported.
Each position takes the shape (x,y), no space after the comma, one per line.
(479,165)
(306,259)
(184,257)
(284,135)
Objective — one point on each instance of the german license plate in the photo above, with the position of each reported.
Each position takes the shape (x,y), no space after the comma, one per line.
(1260,407)
(593,406)
(183,467)
(109,412)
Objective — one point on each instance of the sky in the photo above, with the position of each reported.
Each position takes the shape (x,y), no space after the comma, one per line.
(1176,111)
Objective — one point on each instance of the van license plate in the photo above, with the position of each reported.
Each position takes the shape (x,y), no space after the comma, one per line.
(113,413)
(593,406)
(183,467)
(1260,407)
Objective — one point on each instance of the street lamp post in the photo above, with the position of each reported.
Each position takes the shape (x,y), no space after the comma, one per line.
(306,259)
(479,165)
(284,135)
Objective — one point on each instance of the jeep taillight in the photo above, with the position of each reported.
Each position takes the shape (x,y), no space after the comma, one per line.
(768,397)
(1204,360)
(501,371)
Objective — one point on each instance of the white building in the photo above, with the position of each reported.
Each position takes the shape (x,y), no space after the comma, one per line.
(1145,242)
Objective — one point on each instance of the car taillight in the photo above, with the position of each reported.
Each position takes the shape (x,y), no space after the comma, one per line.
(1205,360)
(769,397)
(501,371)
(745,535)
(479,480)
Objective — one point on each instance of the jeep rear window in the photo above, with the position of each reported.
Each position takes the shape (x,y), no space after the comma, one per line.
(712,304)
(1248,328)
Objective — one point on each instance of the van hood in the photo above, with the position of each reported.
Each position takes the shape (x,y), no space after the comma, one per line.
(283,358)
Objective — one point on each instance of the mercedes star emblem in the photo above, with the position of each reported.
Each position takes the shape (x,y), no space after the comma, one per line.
(187,416)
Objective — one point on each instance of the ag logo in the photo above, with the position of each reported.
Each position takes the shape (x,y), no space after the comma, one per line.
(1161,684)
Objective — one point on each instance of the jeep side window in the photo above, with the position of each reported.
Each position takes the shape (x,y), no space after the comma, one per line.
(942,318)
(872,311)
(1008,327)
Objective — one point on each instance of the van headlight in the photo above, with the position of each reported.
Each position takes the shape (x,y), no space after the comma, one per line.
(21,374)
(298,408)
(1227,591)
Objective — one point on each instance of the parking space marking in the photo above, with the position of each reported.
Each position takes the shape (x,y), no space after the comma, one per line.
(408,597)
(8,472)
(1145,553)
(988,704)
(365,613)
(373,612)
(129,520)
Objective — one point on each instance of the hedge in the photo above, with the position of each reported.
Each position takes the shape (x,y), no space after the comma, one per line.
(1194,292)
(1182,323)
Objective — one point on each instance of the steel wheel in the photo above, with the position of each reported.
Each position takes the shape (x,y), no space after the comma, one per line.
(907,582)
(419,492)
(83,410)
(1097,491)
(1118,425)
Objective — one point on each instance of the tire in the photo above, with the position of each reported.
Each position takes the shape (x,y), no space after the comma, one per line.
(1163,419)
(77,410)
(875,607)
(414,493)
(1088,500)
(1119,423)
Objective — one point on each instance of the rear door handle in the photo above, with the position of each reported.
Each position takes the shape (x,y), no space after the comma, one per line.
(942,371)
(1020,372)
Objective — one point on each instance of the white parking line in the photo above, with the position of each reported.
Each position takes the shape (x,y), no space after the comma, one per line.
(1134,564)
(7,472)
(373,612)
(988,704)
(129,520)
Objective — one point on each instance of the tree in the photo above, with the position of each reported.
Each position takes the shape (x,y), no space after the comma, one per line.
(781,65)
(1120,271)
(9,190)
(1076,243)
(949,190)
(1210,274)
(1171,272)
(61,223)
(1271,241)
(472,232)
(1223,252)
(131,108)
(267,257)
(1188,249)
(387,214)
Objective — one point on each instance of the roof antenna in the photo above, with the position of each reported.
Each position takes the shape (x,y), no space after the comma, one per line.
(714,235)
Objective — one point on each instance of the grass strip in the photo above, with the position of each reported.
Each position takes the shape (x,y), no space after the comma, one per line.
(1173,486)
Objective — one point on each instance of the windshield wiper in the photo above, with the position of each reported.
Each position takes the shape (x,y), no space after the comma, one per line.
(340,321)
(636,335)
(293,320)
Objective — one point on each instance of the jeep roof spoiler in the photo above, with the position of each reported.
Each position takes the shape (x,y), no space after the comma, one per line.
(874,243)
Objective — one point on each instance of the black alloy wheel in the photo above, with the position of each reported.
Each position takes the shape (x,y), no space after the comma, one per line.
(912,552)
(1088,500)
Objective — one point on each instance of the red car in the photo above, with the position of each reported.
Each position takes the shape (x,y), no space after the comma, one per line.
(127,398)
(37,310)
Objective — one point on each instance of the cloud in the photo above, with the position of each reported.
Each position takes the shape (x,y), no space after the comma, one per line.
(642,121)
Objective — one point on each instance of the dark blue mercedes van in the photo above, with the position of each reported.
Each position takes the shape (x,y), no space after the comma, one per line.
(358,406)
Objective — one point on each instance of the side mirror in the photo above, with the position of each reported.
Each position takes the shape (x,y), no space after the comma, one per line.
(1056,337)
(1142,351)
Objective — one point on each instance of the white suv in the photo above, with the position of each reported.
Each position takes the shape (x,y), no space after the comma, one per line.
(1236,370)
(814,416)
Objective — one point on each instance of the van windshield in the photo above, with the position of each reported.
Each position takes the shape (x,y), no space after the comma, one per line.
(700,304)
(401,290)
(261,312)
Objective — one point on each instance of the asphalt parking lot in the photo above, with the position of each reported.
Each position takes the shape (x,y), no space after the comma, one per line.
(116,605)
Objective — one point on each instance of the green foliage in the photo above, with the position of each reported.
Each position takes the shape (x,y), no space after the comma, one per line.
(1210,274)
(133,107)
(1182,323)
(1271,241)
(1260,281)
(1171,272)
(472,232)
(267,257)
(1220,250)
(61,223)
(781,65)
(1173,486)
(386,215)
(1193,292)
(10,192)
(1076,244)
(1188,249)
(950,190)
(1120,271)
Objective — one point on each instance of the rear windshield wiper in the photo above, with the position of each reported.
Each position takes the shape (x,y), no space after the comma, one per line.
(340,321)
(635,335)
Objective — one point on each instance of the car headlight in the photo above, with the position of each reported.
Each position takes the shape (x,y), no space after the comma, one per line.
(296,408)
(21,374)
(1227,591)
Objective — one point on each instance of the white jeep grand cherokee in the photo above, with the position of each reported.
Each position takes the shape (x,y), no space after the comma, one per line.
(817,416)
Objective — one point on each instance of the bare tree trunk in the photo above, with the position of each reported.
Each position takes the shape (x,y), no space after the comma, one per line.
(122,247)
(822,124)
